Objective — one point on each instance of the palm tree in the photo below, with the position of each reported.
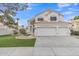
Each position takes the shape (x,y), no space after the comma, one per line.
(6,17)
(17,25)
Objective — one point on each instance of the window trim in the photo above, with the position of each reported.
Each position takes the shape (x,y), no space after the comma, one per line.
(41,19)
(51,19)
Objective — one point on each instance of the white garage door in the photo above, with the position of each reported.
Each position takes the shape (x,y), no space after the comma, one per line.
(63,31)
(51,31)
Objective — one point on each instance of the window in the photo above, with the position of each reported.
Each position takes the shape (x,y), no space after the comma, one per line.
(53,18)
(40,19)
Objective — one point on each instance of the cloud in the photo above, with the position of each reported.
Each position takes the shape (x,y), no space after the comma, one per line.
(58,9)
(75,4)
(73,9)
(1,14)
(23,22)
(69,10)
(29,8)
(68,13)
(60,5)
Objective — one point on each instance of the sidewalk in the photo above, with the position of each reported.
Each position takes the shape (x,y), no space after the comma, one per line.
(40,51)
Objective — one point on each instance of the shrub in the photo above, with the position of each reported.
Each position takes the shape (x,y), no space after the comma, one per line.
(15,31)
(74,32)
(23,31)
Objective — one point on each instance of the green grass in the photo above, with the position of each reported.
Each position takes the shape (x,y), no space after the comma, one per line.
(11,41)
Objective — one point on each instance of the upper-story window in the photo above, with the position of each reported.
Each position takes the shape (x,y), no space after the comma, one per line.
(53,18)
(40,19)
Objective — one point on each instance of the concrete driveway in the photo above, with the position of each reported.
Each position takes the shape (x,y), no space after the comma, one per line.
(57,41)
(57,46)
(46,46)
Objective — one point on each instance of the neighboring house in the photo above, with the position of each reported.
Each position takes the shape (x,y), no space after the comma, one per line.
(75,24)
(5,30)
(48,23)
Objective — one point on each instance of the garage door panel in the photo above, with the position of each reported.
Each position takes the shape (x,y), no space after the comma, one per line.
(45,31)
(53,31)
(63,31)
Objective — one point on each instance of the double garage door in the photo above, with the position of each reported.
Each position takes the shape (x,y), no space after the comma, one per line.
(52,31)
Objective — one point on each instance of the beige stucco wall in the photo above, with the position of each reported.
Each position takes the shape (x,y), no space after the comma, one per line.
(47,17)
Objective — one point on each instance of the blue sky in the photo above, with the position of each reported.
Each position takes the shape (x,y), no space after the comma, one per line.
(69,10)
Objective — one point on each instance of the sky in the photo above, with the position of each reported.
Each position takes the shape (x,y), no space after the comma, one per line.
(69,10)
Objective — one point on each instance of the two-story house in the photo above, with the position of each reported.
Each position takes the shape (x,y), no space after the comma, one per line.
(48,23)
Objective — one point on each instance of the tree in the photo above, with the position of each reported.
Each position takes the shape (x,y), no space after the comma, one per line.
(9,10)
(76,17)
(1,18)
(17,20)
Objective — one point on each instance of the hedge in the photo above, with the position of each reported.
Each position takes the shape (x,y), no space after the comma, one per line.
(74,32)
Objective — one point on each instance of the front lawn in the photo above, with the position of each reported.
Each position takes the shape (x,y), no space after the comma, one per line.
(11,41)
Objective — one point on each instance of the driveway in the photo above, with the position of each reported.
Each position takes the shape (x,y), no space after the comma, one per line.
(57,46)
(46,46)
(57,41)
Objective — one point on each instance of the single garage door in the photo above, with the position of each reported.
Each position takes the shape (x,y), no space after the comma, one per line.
(52,31)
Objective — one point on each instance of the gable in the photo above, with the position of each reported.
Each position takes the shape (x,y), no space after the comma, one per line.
(47,12)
